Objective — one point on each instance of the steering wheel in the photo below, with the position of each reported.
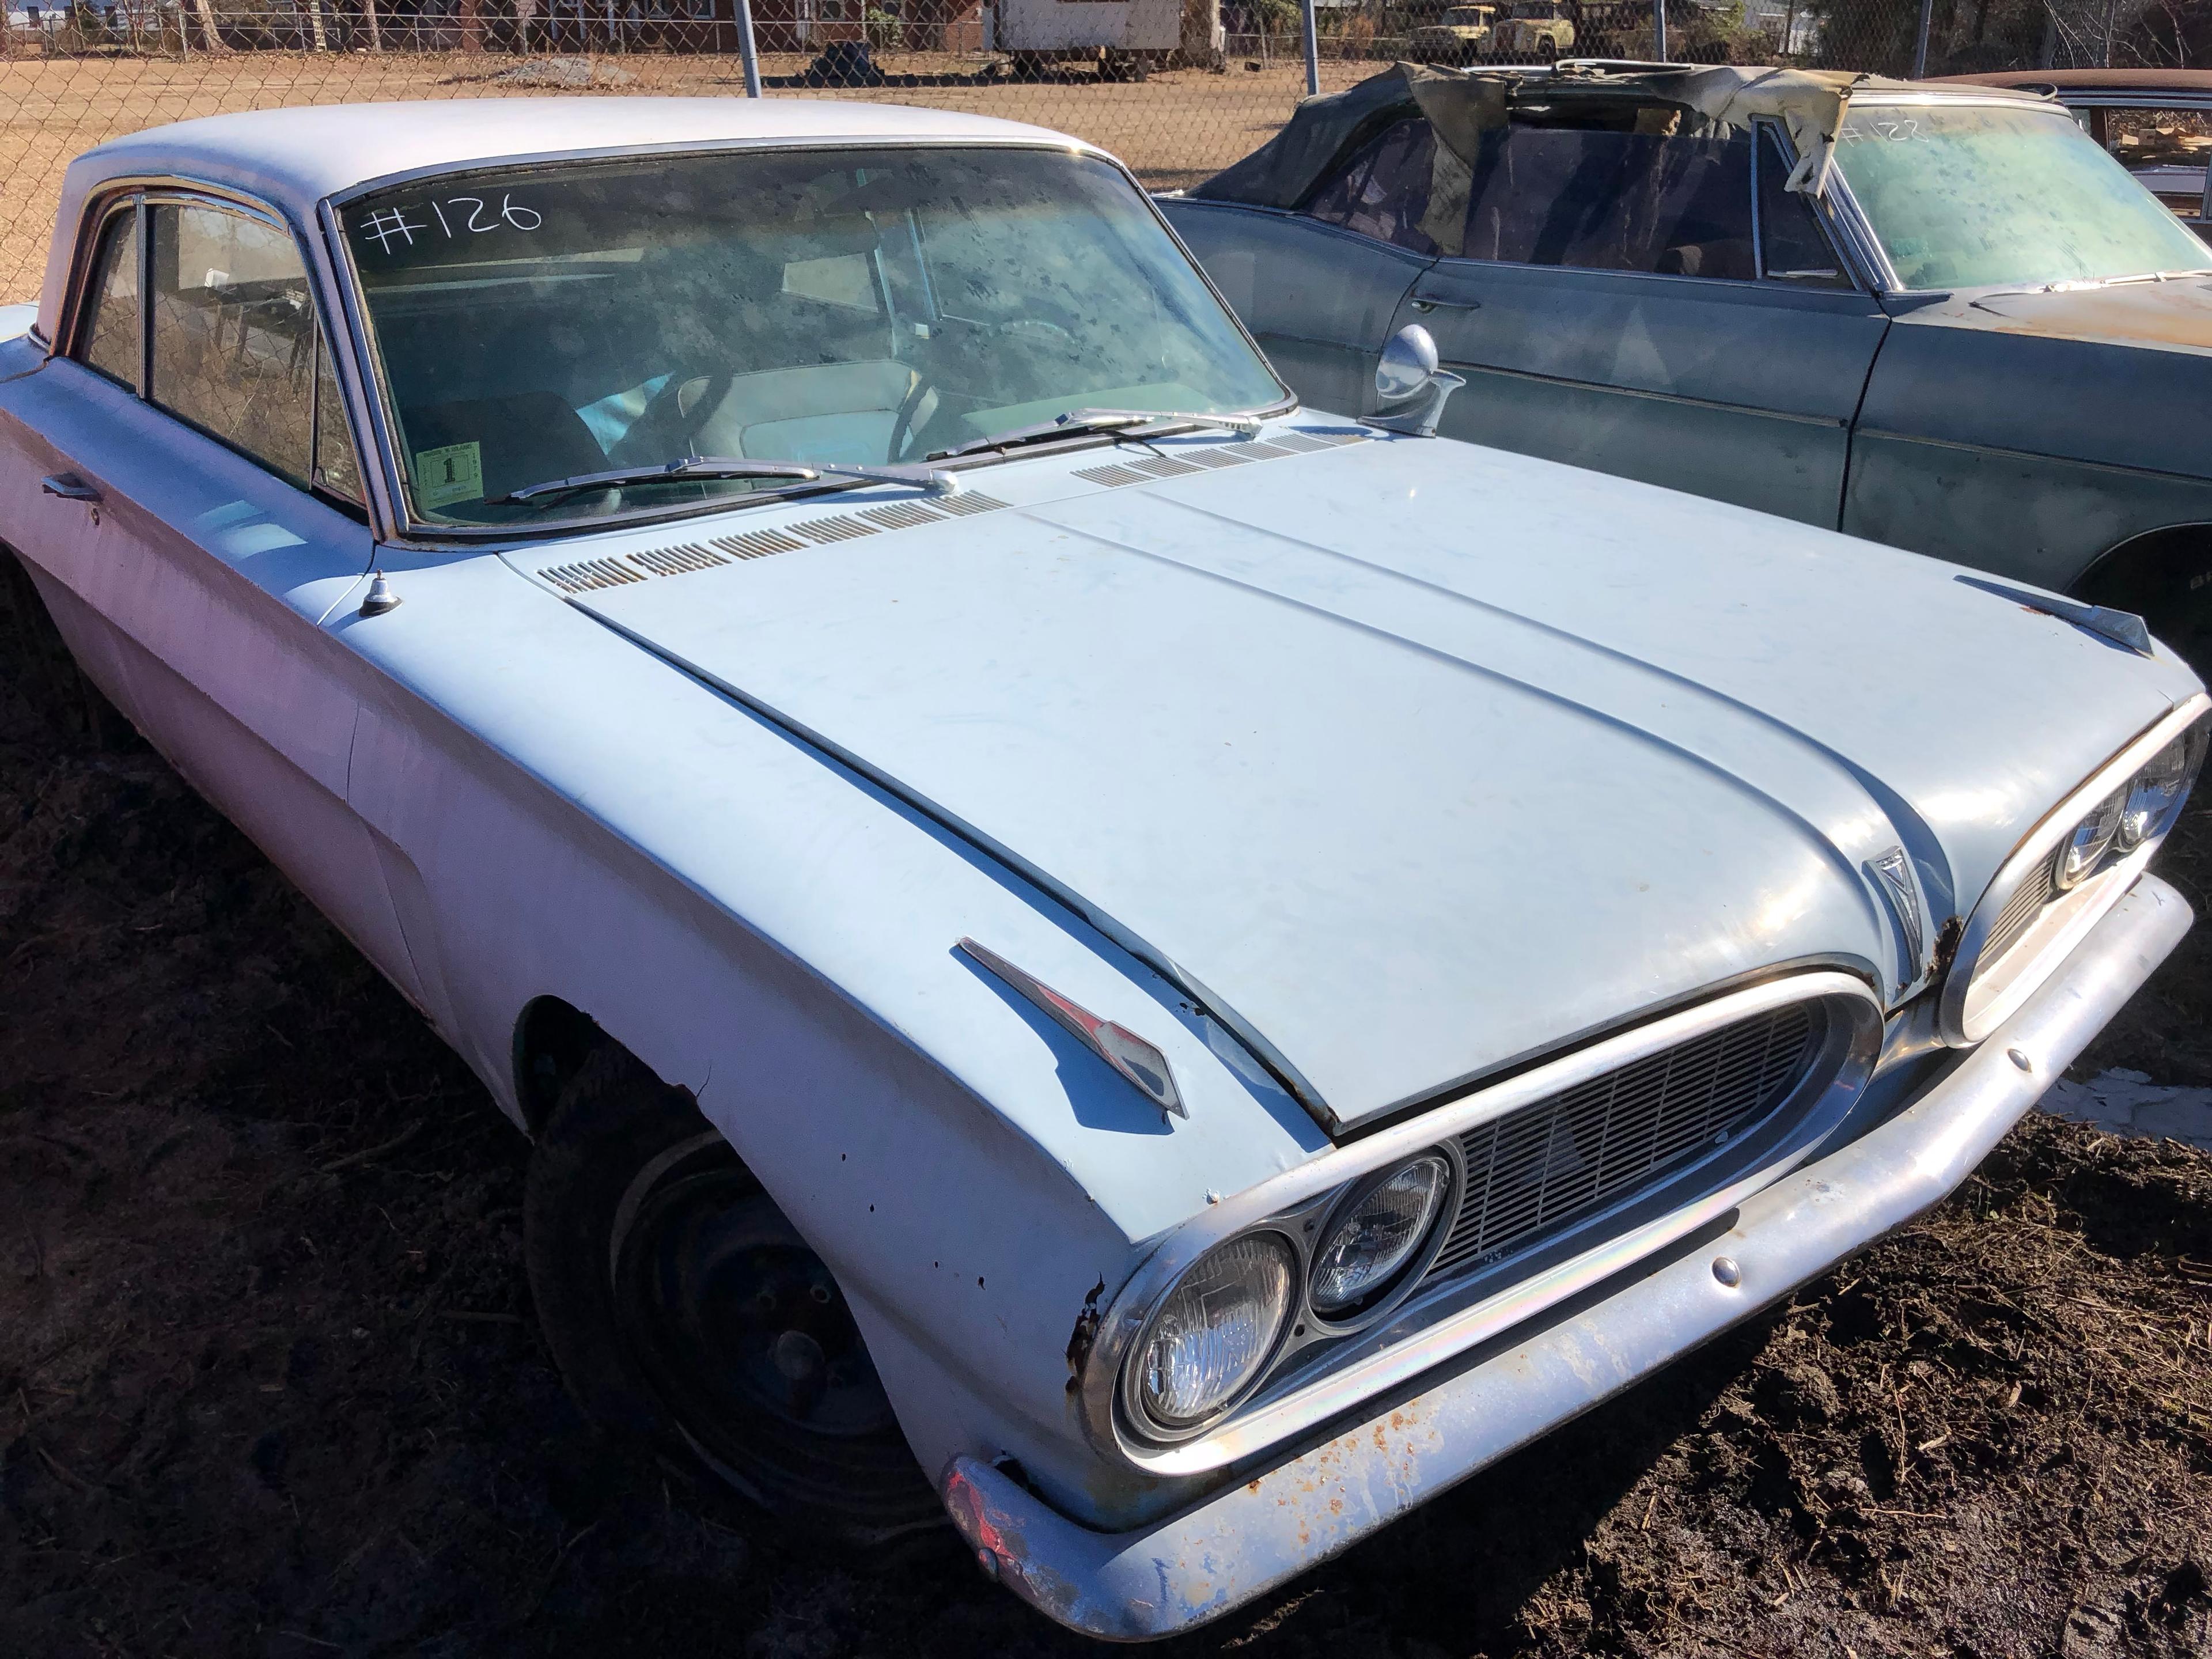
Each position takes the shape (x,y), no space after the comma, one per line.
(902,423)
(663,430)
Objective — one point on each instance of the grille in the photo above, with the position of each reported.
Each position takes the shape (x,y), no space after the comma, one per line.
(1536,1169)
(2035,891)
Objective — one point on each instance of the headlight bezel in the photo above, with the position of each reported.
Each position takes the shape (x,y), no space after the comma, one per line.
(1306,1228)
(1132,1386)
(1406,1272)
(1981,991)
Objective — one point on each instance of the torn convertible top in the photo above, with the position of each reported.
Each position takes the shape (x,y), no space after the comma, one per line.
(1464,104)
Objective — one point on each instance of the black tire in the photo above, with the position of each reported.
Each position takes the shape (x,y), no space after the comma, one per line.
(687,1313)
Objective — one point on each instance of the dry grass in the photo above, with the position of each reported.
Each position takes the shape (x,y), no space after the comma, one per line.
(1174,130)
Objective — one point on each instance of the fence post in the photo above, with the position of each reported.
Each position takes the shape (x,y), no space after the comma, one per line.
(746,49)
(1312,28)
(1659,30)
(1920,45)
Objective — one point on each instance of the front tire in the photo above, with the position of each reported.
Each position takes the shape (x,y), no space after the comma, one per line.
(687,1313)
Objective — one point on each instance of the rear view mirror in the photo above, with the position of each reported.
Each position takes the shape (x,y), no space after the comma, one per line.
(1407,375)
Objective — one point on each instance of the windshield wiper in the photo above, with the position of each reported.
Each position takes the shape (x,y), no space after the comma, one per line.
(1077,421)
(716,466)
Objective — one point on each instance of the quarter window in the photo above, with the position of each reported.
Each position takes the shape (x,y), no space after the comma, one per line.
(1792,245)
(111,339)
(337,469)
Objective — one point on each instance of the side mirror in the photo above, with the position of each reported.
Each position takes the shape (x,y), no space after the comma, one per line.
(1408,375)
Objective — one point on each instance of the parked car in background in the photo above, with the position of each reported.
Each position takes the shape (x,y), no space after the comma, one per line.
(1939,317)
(1082,947)
(1460,36)
(1536,29)
(2156,123)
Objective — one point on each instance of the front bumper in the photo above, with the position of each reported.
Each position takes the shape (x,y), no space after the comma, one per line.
(1251,1536)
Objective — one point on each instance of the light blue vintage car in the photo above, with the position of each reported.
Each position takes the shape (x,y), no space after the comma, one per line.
(1081,947)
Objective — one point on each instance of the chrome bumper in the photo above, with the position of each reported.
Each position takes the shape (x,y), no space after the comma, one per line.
(1251,1536)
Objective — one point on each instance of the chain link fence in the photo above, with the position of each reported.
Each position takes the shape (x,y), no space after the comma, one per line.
(1188,87)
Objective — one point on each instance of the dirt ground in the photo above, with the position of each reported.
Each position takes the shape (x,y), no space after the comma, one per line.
(269,1383)
(1174,130)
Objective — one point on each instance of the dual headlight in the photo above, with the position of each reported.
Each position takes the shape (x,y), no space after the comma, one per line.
(2132,814)
(1216,1332)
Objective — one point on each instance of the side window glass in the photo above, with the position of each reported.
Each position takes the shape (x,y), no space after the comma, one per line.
(111,337)
(338,468)
(2167,148)
(1795,248)
(1384,191)
(234,333)
(1606,200)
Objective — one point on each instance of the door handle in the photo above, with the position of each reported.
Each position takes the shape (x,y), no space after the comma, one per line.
(1428,302)
(69,487)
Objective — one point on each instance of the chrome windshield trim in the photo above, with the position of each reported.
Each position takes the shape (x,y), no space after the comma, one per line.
(1442,1326)
(2088,905)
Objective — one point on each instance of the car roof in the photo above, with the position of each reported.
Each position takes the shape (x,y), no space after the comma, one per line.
(293,158)
(2091,80)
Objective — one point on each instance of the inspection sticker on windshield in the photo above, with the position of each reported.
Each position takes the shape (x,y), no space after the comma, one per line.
(454,473)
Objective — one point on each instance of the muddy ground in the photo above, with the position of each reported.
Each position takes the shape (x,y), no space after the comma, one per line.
(269,1383)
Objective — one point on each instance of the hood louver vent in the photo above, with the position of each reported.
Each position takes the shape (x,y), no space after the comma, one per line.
(841,527)
(967,503)
(900,515)
(619,570)
(589,573)
(758,543)
(1112,477)
(675,561)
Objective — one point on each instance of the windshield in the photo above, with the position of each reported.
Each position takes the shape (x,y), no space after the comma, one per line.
(1974,196)
(848,306)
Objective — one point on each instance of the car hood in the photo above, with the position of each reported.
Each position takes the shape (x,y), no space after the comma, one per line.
(2175,315)
(1410,759)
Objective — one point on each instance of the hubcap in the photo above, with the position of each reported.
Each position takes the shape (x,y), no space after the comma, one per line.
(730,1304)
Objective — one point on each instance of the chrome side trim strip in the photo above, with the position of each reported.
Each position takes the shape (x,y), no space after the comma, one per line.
(1436,1328)
(1256,1532)
(1964,1019)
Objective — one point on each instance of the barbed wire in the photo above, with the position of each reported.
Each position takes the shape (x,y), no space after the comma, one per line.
(1184,92)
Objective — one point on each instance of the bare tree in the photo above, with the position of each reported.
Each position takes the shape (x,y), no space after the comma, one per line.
(214,36)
